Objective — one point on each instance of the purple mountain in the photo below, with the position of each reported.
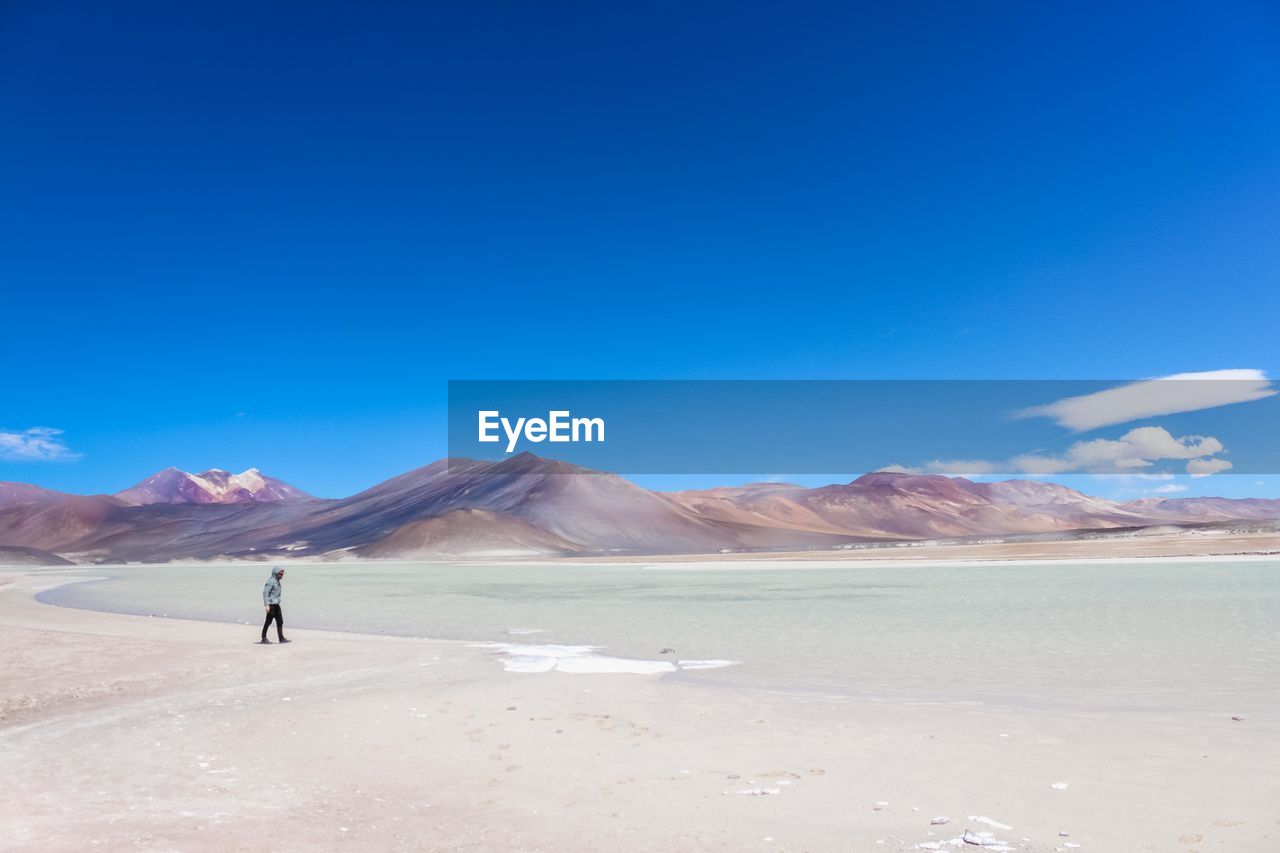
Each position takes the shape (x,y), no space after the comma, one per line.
(214,486)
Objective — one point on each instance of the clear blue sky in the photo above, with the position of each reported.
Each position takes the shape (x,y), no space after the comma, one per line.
(243,234)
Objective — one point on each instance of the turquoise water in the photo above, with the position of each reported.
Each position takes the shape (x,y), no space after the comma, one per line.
(1144,634)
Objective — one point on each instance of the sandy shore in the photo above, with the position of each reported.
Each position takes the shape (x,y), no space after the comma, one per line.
(131,732)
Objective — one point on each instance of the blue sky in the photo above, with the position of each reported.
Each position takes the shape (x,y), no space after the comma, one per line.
(235,236)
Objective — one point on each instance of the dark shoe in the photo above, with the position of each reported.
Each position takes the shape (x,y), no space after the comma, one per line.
(264,642)
(283,640)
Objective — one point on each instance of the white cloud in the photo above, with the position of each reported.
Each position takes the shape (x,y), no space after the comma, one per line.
(1135,449)
(37,444)
(1128,456)
(1168,489)
(1166,395)
(1207,467)
(962,467)
(1130,476)
(954,468)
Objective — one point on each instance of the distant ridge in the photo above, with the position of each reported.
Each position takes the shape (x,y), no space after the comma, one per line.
(1209,509)
(11,556)
(526,506)
(14,493)
(913,506)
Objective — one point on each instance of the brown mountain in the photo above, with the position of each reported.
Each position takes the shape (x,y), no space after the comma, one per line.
(467,533)
(909,506)
(16,493)
(1207,509)
(54,524)
(579,511)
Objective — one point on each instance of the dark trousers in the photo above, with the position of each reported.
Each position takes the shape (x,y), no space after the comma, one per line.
(274,613)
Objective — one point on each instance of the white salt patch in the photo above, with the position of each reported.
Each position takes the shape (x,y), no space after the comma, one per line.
(578,660)
(989,822)
(599,663)
(530,658)
(523,631)
(982,839)
(1059,786)
(760,792)
(528,663)
(550,650)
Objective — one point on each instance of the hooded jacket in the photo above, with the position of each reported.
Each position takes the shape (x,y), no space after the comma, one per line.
(271,590)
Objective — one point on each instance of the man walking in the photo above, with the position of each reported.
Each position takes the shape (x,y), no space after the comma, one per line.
(271,601)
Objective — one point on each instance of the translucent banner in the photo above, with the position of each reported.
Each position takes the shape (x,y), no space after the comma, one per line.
(1196,424)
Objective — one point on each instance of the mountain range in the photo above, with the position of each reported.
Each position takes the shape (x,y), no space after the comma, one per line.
(526,506)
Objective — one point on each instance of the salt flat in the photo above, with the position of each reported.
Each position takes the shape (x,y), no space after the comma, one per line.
(161,733)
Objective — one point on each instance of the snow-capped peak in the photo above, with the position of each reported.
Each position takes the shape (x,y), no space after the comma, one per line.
(214,486)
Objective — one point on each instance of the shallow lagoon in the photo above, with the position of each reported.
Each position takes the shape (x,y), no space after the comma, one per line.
(1148,634)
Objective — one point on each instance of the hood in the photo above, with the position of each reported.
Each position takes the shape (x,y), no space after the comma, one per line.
(275,570)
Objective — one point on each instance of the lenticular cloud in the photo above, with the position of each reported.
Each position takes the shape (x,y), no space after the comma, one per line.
(1166,395)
